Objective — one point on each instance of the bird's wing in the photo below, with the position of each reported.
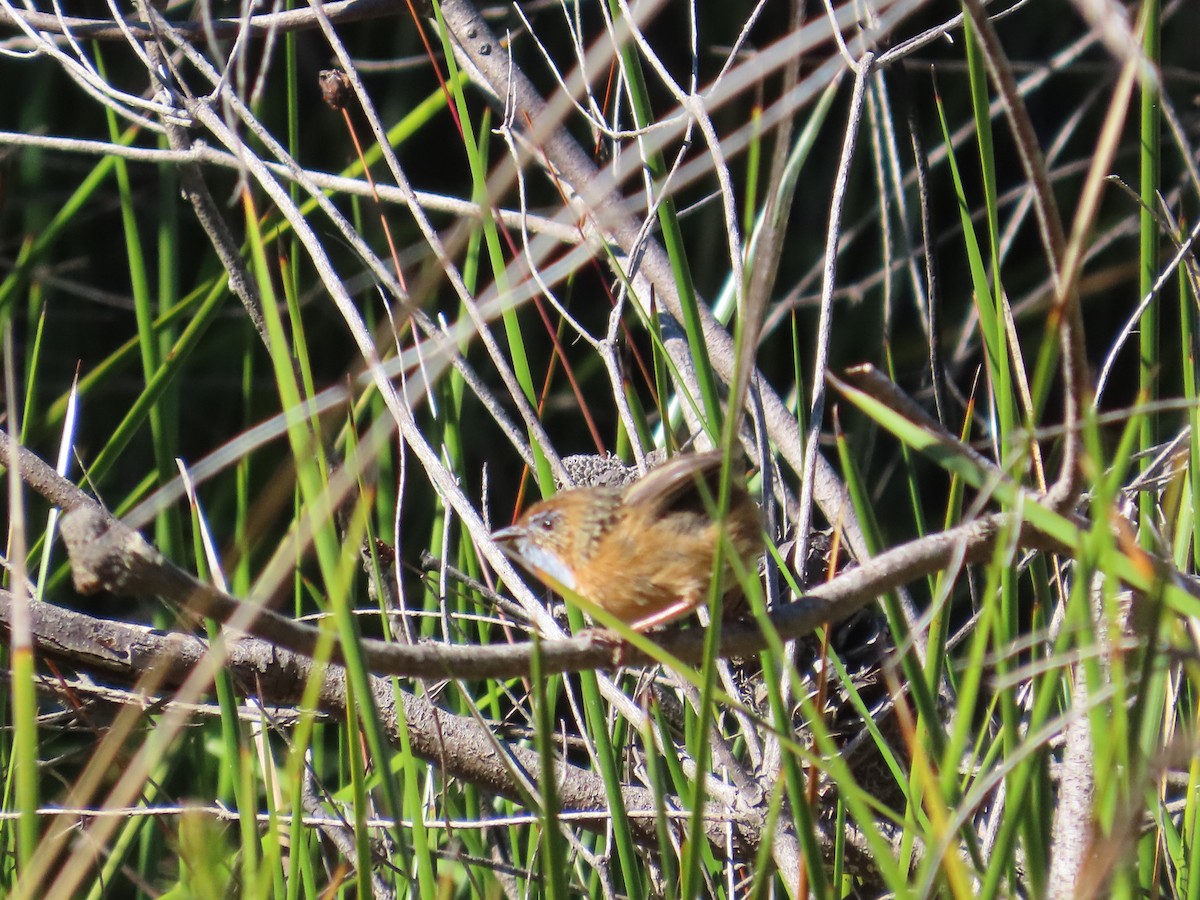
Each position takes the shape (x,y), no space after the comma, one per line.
(677,480)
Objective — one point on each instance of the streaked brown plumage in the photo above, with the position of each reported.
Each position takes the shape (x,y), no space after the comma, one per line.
(644,552)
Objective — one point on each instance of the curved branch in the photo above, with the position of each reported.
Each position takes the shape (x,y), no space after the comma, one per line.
(462,747)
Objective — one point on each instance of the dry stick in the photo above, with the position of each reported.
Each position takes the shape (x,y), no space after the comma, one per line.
(562,233)
(1072,832)
(73,867)
(206,153)
(824,324)
(215,226)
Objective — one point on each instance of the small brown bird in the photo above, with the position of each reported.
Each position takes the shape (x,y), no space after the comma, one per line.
(643,552)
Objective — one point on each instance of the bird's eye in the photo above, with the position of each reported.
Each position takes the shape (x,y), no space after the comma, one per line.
(546,522)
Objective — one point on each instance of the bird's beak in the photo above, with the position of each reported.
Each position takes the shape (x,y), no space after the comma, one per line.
(510,539)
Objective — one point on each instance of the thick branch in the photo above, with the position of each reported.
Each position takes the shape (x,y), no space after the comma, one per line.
(462,747)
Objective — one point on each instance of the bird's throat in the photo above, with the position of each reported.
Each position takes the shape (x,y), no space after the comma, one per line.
(548,565)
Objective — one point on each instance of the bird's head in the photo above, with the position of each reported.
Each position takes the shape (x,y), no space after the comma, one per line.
(557,536)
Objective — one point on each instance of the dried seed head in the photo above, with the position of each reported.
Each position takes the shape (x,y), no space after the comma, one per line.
(335,87)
